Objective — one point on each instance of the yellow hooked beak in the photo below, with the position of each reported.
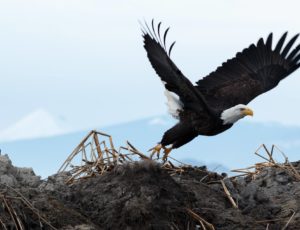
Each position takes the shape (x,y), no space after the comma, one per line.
(248,112)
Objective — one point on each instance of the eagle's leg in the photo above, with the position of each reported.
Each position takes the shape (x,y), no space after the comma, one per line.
(155,150)
(176,136)
(166,153)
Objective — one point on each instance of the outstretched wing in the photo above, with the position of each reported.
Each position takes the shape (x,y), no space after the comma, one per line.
(252,72)
(171,76)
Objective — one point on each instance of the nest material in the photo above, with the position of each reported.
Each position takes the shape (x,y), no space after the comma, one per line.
(268,156)
(12,202)
(94,156)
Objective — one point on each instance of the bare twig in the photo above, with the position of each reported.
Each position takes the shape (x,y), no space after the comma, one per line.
(201,220)
(289,221)
(270,220)
(228,195)
(97,158)
(13,213)
(270,162)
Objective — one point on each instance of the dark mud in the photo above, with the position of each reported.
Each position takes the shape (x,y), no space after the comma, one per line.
(145,196)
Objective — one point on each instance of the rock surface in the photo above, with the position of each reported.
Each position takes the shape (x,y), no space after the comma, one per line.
(145,196)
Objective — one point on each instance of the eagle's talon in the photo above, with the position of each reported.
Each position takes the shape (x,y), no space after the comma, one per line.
(166,153)
(155,150)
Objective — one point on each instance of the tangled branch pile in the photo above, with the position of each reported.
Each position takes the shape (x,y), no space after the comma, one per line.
(287,166)
(94,156)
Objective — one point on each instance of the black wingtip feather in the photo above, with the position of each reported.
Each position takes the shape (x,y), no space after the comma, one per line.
(149,30)
(296,59)
(293,53)
(289,45)
(269,41)
(260,42)
(158,31)
(165,36)
(280,43)
(152,23)
(171,47)
(150,33)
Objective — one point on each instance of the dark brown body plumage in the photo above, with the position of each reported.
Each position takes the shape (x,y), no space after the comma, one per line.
(190,126)
(254,71)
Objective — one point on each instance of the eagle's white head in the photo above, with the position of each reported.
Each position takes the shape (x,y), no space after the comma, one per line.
(233,114)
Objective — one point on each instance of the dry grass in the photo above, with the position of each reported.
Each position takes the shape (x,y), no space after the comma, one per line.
(228,195)
(204,224)
(268,156)
(96,154)
(14,215)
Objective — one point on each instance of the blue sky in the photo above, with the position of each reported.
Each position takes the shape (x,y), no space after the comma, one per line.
(83,62)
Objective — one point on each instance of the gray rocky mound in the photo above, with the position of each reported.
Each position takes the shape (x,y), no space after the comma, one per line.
(145,196)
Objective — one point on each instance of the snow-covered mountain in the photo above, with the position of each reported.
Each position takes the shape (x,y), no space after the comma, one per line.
(37,124)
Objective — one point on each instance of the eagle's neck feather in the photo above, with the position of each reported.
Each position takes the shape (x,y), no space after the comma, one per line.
(231,115)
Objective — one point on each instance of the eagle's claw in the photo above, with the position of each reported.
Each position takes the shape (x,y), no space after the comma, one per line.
(166,153)
(155,150)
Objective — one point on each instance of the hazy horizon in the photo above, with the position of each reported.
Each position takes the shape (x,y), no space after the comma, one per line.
(46,154)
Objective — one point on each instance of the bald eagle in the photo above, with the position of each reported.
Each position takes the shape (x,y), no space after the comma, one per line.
(218,100)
